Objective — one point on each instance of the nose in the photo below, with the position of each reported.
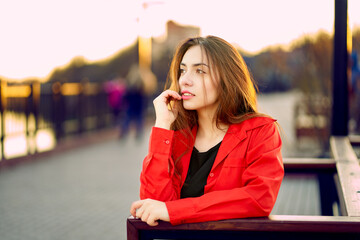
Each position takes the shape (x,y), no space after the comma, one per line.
(185,80)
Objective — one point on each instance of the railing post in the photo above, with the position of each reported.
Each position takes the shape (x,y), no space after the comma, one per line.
(80,108)
(58,113)
(2,112)
(28,109)
(340,106)
(34,109)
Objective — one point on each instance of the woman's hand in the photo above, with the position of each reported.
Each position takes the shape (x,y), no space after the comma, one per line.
(165,116)
(150,211)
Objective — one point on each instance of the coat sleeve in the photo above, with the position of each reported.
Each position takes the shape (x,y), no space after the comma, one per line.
(158,179)
(256,197)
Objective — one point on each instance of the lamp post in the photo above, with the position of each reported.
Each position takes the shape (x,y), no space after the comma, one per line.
(145,49)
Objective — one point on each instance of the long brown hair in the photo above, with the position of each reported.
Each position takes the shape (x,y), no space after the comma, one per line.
(237,90)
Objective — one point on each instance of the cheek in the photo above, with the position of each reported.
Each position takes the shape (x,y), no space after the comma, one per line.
(212,93)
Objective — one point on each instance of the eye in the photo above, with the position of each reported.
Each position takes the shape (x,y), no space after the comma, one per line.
(181,71)
(200,71)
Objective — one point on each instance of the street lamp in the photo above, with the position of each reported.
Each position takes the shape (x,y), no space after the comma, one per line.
(145,48)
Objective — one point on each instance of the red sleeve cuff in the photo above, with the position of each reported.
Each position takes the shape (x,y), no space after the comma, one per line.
(161,141)
(178,210)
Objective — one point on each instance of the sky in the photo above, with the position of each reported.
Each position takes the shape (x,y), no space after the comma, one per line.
(38,35)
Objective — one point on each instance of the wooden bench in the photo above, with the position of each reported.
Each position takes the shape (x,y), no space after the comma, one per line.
(343,171)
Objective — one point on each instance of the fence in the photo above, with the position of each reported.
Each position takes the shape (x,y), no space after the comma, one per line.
(35,116)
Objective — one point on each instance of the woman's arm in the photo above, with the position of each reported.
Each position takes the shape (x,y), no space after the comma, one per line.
(157,179)
(157,174)
(157,183)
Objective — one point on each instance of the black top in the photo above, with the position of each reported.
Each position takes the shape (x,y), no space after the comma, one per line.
(199,169)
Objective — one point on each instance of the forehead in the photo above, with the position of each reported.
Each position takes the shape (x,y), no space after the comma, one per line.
(195,55)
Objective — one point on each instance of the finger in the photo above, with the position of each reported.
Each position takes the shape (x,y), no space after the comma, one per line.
(145,216)
(140,211)
(135,205)
(133,210)
(151,221)
(172,94)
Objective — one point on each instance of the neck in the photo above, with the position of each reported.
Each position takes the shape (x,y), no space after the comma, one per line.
(207,126)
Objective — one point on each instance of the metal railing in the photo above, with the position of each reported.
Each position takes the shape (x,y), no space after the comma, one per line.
(35,116)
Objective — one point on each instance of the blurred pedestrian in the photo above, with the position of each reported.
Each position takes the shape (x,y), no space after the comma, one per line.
(116,90)
(135,104)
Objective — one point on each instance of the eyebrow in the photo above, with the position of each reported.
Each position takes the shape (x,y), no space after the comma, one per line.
(195,64)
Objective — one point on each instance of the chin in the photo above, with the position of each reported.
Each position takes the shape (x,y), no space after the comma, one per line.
(189,106)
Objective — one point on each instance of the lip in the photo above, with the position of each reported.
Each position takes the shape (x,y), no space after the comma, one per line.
(187,96)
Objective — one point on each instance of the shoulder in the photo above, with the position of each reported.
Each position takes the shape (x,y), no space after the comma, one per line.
(252,123)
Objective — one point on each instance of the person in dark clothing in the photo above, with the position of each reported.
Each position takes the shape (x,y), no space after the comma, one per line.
(135,104)
(135,101)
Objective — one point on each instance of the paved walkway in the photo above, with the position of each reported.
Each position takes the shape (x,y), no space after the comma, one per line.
(80,194)
(85,193)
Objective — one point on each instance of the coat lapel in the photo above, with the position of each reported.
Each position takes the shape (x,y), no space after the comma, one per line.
(187,147)
(235,134)
(232,138)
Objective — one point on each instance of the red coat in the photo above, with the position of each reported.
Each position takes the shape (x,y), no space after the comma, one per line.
(244,180)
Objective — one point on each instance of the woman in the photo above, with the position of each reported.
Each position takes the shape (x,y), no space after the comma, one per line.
(211,156)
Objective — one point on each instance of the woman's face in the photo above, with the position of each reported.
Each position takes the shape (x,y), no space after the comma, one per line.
(197,86)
